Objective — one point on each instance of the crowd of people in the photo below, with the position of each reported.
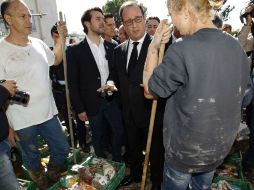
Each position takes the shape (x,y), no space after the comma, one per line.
(113,76)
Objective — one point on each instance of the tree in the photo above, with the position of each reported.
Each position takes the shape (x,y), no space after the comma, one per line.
(113,6)
(225,12)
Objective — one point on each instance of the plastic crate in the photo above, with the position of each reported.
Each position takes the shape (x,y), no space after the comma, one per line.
(28,185)
(235,160)
(116,180)
(114,183)
(233,157)
(70,158)
(243,185)
(26,174)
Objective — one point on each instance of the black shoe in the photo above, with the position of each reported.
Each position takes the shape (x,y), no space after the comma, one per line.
(156,186)
(128,180)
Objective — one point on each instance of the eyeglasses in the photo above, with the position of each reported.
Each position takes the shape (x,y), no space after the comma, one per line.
(129,22)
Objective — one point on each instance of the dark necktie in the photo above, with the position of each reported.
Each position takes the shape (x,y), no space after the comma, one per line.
(133,57)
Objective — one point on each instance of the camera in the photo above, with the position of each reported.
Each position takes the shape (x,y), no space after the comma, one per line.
(20,97)
(243,14)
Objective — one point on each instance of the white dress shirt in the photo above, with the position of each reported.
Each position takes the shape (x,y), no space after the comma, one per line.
(99,55)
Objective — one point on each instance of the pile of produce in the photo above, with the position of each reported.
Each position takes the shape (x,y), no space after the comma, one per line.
(224,185)
(97,174)
(227,171)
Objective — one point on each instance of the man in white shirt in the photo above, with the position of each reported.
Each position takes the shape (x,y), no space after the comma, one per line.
(27,60)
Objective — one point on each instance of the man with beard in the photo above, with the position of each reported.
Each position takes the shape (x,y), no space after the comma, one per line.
(88,70)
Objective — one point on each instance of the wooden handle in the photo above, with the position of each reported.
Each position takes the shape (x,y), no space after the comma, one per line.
(67,90)
(151,125)
(60,16)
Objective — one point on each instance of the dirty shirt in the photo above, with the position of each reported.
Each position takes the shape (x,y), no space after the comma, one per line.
(29,66)
(204,77)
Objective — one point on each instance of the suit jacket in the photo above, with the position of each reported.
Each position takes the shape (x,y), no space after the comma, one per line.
(84,77)
(131,93)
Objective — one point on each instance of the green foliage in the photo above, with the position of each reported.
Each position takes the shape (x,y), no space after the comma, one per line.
(113,6)
(226,11)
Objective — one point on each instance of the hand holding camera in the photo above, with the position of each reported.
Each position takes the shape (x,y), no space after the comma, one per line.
(10,85)
(17,96)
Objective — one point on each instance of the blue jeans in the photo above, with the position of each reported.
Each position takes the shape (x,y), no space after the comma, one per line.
(110,114)
(51,131)
(175,180)
(8,178)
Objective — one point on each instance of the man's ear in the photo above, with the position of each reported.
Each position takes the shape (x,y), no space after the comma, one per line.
(7,19)
(87,24)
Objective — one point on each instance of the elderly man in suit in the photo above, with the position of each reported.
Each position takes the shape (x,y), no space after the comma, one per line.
(129,59)
(88,70)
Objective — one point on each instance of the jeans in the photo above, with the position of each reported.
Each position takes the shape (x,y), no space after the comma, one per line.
(61,104)
(109,114)
(175,180)
(52,132)
(8,180)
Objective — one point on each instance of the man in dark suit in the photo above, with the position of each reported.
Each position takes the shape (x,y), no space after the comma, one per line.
(129,59)
(88,70)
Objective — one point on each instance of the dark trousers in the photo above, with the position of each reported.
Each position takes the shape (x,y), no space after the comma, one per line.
(109,114)
(81,133)
(249,155)
(137,138)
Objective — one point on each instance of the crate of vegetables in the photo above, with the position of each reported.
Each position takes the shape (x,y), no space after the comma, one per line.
(231,167)
(93,174)
(224,183)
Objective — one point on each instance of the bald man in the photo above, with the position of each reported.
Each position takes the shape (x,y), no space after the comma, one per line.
(27,60)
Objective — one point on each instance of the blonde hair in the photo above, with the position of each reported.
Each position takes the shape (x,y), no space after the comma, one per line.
(203,8)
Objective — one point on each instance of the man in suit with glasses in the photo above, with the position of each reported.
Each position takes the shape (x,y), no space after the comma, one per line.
(129,59)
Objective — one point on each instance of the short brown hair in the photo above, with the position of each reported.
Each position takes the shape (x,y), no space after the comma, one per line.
(87,17)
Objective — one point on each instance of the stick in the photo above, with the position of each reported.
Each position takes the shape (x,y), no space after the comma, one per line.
(67,91)
(151,125)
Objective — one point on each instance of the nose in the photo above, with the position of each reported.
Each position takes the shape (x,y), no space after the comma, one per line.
(134,24)
(29,19)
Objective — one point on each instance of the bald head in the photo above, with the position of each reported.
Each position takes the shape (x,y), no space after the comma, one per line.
(10,6)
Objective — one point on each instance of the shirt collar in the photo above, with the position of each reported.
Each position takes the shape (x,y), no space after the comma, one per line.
(90,42)
(141,40)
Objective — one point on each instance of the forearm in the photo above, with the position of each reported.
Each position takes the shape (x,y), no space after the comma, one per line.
(150,65)
(58,52)
(243,35)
